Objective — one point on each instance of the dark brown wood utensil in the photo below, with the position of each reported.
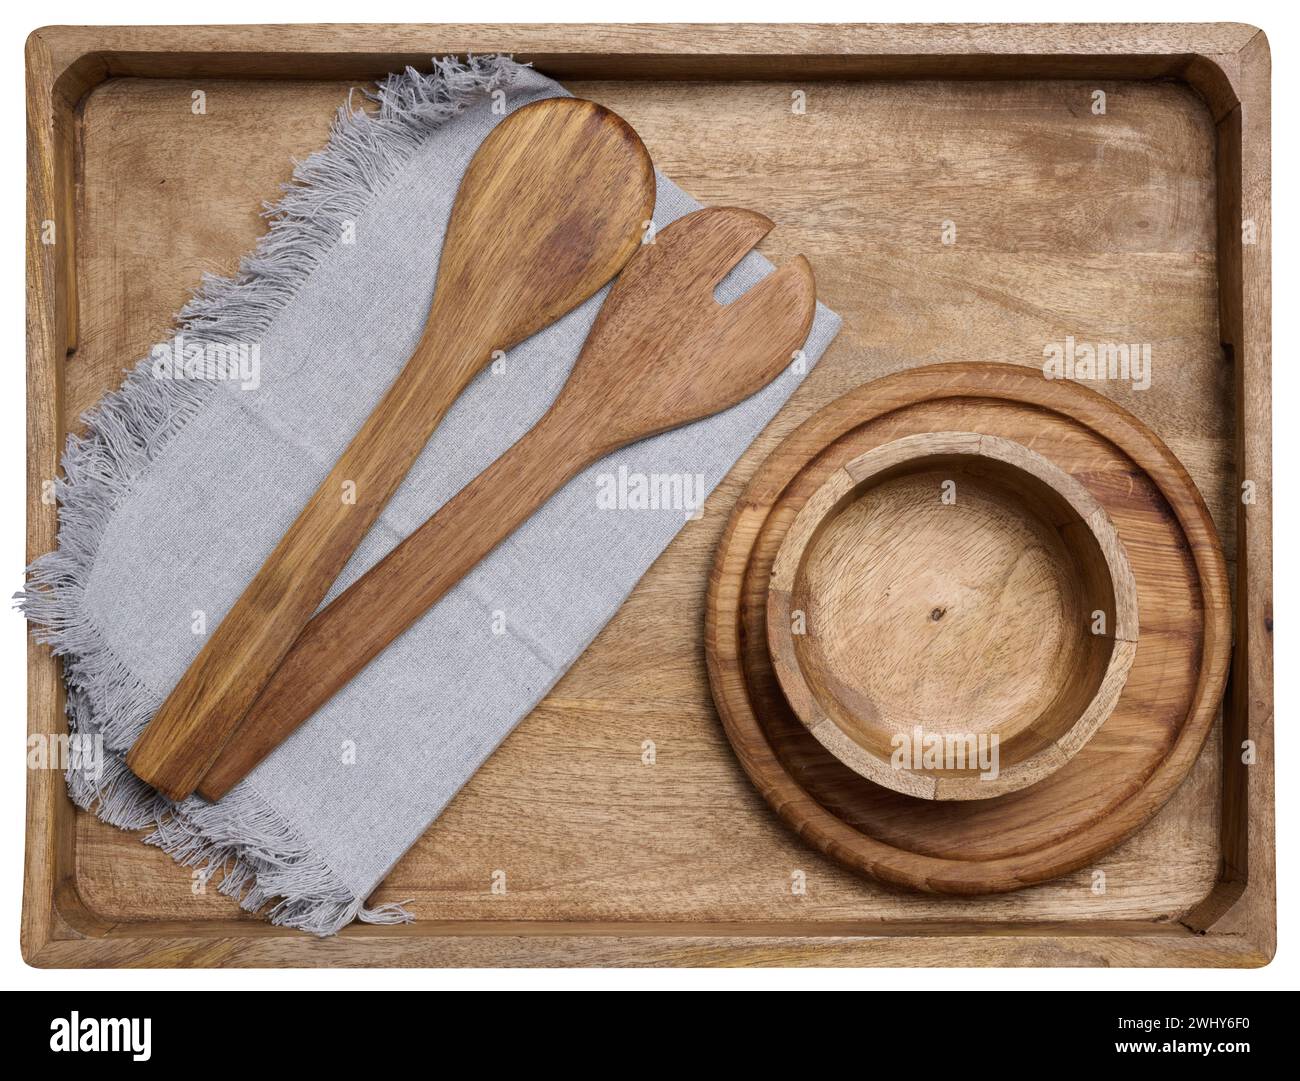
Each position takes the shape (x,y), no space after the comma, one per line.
(663,352)
(551,207)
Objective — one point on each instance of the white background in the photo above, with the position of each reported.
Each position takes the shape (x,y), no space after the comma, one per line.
(1281,30)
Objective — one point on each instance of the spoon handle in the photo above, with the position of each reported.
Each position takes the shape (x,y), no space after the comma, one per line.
(363,620)
(203,709)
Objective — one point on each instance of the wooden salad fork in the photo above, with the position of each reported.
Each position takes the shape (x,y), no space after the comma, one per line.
(551,207)
(662,352)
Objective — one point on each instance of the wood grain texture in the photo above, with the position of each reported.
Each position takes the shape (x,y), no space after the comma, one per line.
(610,860)
(1144,748)
(946,587)
(661,353)
(552,205)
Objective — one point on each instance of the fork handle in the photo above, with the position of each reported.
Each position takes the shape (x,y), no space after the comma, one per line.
(363,620)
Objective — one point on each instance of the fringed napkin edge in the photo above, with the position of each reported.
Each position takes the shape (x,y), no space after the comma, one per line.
(259,856)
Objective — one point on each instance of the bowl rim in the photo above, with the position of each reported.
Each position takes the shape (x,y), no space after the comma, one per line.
(879,464)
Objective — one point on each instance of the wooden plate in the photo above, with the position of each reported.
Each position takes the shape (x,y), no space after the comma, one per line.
(952,616)
(1138,756)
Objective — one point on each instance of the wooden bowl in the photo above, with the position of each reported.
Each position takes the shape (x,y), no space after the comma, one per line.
(952,616)
(1067,822)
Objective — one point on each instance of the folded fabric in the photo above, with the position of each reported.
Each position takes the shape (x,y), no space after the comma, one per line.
(187,476)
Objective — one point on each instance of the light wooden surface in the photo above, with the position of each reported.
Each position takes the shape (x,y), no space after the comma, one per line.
(1131,765)
(551,207)
(1067,222)
(947,586)
(661,353)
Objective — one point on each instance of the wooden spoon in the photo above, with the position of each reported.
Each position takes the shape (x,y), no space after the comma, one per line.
(551,207)
(661,353)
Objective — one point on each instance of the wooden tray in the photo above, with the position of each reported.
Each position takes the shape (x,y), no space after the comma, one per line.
(1149,222)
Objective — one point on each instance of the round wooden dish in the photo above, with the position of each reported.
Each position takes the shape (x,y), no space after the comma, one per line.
(952,616)
(1134,760)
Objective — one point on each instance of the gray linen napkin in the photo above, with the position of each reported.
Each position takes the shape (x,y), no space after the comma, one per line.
(181,487)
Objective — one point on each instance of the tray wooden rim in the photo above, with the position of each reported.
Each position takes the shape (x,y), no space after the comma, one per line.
(1227,64)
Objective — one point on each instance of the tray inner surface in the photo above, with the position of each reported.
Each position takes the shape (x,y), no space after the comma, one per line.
(1096,227)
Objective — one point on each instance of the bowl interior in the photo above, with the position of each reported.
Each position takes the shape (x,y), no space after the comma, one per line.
(954,604)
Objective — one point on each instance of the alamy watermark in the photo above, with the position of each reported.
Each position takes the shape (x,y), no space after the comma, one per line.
(919,749)
(76,752)
(234,362)
(114,1035)
(1089,362)
(625,490)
